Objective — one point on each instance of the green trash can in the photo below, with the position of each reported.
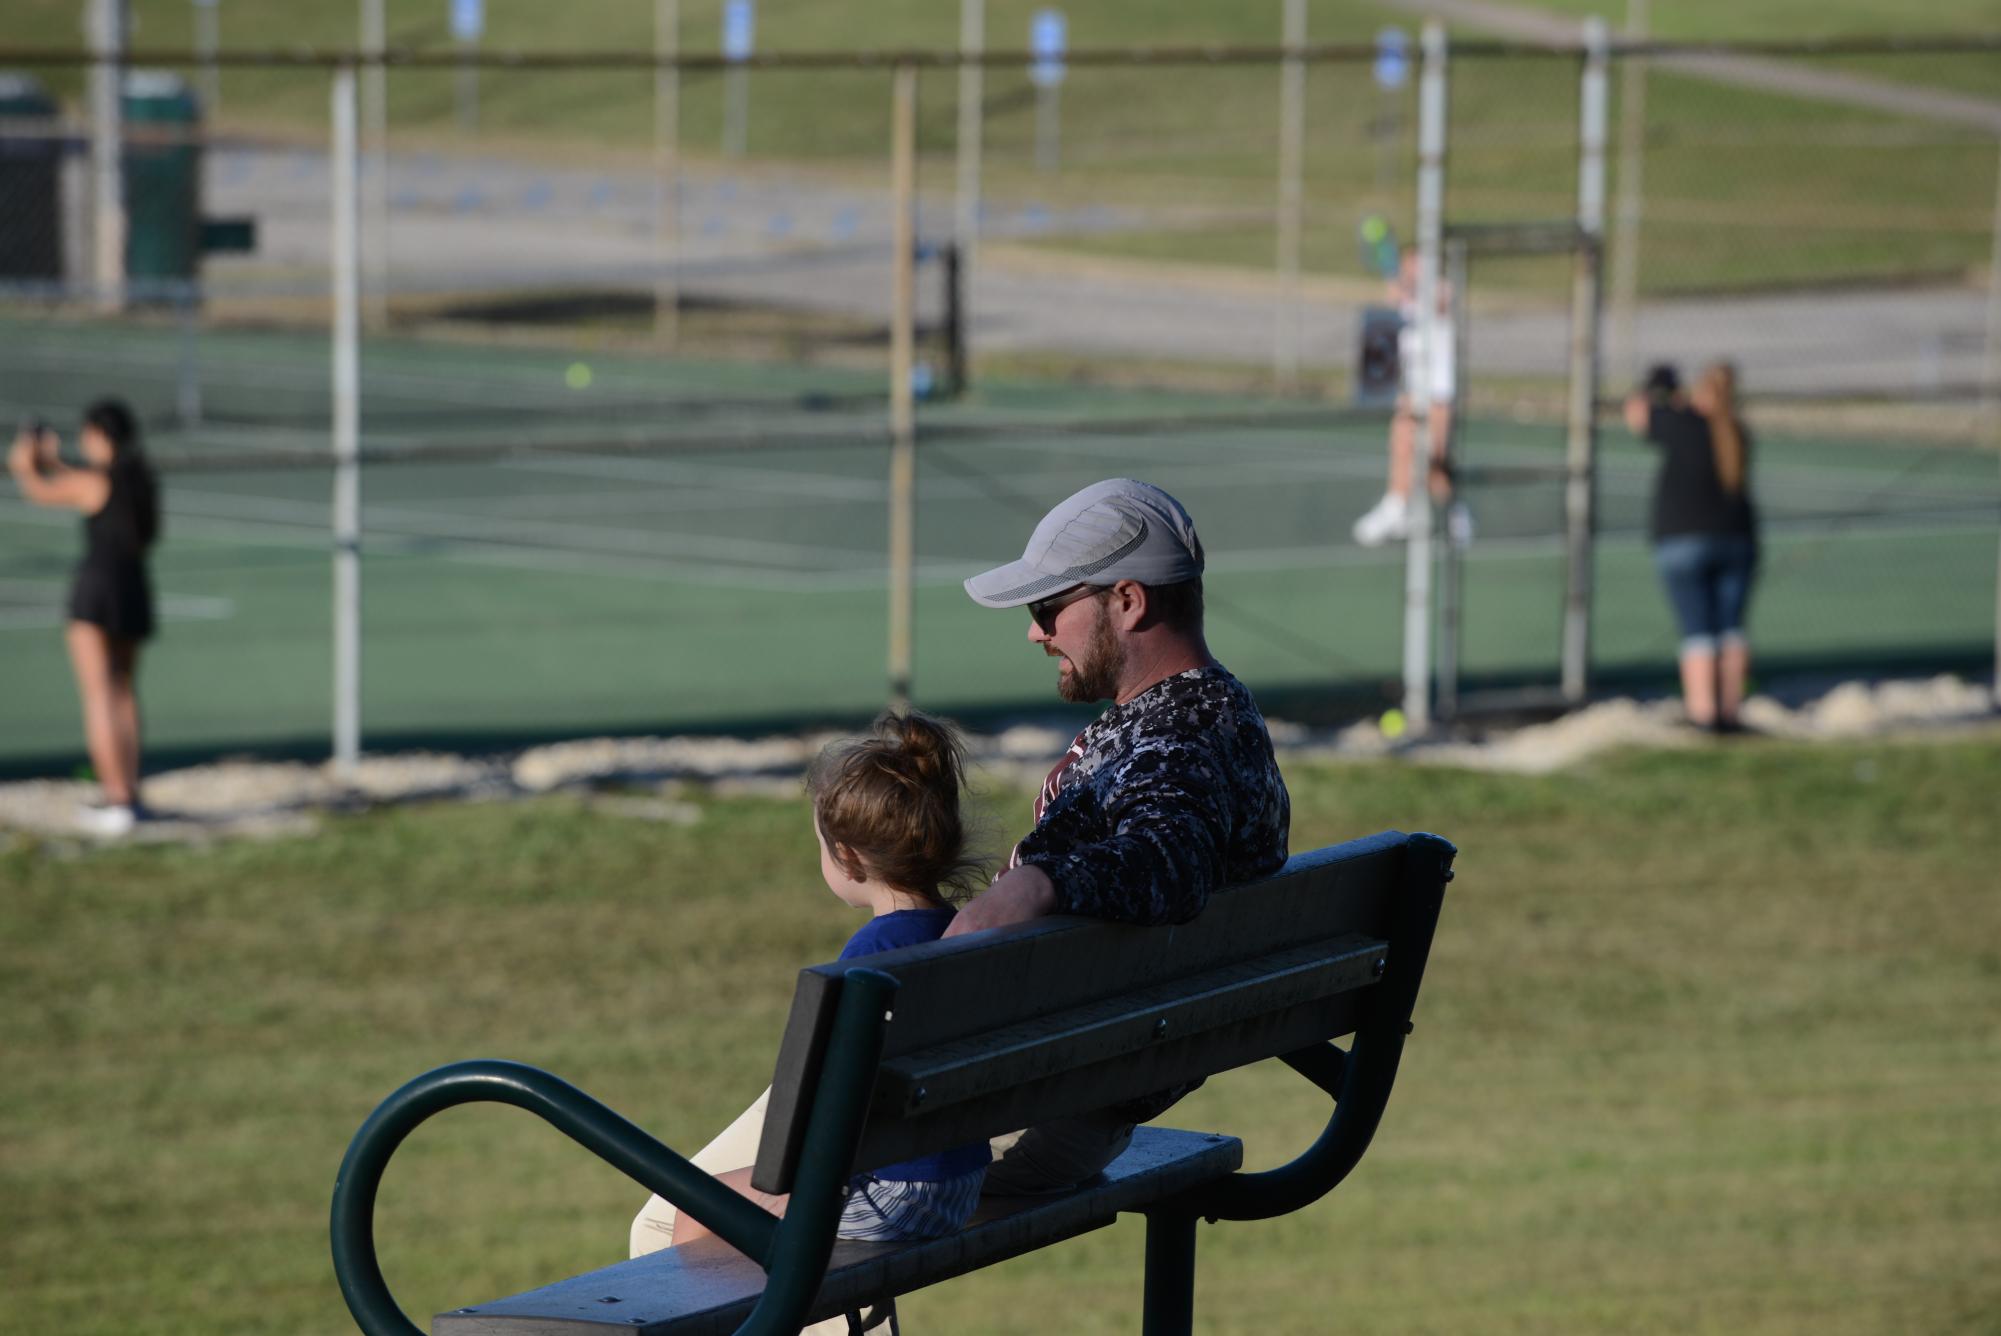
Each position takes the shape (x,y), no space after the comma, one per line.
(162,185)
(31,150)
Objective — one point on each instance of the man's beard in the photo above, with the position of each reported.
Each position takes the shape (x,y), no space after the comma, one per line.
(1095,676)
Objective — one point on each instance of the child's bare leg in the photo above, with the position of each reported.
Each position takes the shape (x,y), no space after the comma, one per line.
(687,1228)
(655,1225)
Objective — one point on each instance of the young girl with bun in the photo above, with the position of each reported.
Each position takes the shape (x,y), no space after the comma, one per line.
(886,814)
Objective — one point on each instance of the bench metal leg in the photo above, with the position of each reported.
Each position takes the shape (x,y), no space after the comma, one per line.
(1170,1274)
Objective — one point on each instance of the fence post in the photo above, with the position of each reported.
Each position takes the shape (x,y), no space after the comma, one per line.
(902,419)
(1990,394)
(375,133)
(972,117)
(346,428)
(208,37)
(1451,566)
(1581,445)
(1417,381)
(1291,153)
(107,152)
(667,172)
(1624,361)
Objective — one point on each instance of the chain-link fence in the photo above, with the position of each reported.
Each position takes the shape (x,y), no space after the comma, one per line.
(628,329)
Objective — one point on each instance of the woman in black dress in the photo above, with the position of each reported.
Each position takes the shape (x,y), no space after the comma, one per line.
(1705,532)
(111,597)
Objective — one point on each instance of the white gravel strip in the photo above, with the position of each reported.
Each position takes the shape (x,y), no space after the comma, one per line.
(268,799)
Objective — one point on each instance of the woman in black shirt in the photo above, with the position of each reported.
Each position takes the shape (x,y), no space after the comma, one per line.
(111,596)
(1705,533)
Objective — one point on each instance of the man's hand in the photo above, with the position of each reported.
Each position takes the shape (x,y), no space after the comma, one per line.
(1017,895)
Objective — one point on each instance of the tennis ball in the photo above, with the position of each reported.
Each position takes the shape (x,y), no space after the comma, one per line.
(578,377)
(1392,723)
(1374,229)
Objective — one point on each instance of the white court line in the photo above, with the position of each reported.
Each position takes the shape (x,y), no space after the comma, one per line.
(942,573)
(699,560)
(414,523)
(862,490)
(775,482)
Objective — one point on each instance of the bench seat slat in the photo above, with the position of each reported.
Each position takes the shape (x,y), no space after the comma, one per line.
(707,1288)
(1099,1031)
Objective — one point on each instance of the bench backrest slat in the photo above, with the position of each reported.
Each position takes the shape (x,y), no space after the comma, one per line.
(1064,1015)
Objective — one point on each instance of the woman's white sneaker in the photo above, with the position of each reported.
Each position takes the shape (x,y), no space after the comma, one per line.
(108,818)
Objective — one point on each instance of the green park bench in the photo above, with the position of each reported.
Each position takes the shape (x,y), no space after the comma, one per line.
(912,1051)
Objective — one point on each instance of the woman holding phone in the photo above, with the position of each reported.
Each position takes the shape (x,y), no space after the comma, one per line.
(110,610)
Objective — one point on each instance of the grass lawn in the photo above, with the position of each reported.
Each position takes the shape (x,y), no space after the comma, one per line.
(1707,1045)
(1744,189)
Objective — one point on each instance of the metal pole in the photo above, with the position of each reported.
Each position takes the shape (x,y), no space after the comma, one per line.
(736,110)
(1625,359)
(1291,153)
(1451,567)
(187,377)
(1990,395)
(667,172)
(902,349)
(1048,128)
(107,161)
(207,39)
(346,427)
(468,85)
(966,211)
(1417,381)
(375,134)
(1581,445)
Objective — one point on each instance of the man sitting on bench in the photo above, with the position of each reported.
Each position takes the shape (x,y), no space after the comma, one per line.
(1168,795)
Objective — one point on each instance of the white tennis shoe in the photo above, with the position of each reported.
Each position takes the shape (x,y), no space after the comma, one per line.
(1387,520)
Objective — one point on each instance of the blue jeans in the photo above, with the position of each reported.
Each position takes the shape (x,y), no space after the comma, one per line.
(1708,578)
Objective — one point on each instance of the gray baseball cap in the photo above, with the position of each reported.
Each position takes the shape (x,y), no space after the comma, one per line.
(1118,529)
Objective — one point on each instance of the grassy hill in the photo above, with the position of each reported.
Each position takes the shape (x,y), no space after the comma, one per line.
(1744,188)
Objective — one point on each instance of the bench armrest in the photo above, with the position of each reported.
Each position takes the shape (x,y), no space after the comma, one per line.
(793,1251)
(584,1120)
(1359,1080)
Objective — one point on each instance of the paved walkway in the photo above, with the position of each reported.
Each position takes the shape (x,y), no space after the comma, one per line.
(473,224)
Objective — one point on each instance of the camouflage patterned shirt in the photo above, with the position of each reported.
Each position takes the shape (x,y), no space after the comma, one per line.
(1161,800)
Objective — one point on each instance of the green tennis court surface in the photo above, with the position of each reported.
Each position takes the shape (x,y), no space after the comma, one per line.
(671,567)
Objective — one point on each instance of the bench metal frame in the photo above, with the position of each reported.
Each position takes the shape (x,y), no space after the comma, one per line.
(858,1086)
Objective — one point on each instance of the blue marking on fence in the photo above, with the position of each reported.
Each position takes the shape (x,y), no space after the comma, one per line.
(1392,66)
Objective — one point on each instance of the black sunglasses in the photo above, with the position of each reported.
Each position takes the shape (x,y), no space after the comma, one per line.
(1044,610)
